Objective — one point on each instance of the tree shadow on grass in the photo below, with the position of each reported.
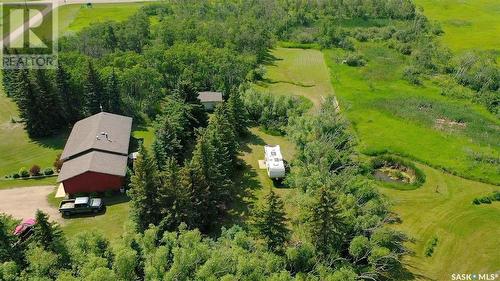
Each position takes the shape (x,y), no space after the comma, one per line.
(269,59)
(54,142)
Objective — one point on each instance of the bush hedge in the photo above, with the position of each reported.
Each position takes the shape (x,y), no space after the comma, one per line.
(23,172)
(495,196)
(48,171)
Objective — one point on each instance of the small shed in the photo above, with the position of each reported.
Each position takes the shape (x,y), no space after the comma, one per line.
(274,162)
(210,99)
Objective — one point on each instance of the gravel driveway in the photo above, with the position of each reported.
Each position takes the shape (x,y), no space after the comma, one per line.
(23,202)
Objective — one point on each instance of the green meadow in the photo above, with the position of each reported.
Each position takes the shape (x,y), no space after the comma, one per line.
(390,115)
(467,24)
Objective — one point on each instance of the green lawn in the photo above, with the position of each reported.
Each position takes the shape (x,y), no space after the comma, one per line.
(297,72)
(471,24)
(467,234)
(389,114)
(17,149)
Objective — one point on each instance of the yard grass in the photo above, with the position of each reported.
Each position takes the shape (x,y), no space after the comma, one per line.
(467,24)
(467,234)
(390,115)
(297,72)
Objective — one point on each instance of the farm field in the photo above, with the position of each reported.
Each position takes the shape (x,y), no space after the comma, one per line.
(467,24)
(466,233)
(390,115)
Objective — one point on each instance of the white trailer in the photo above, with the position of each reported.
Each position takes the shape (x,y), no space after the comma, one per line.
(274,162)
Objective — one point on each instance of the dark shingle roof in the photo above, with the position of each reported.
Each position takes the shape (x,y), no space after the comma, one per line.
(210,96)
(95,161)
(87,135)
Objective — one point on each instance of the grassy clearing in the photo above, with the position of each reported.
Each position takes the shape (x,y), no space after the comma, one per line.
(467,24)
(254,184)
(73,18)
(468,238)
(297,72)
(390,115)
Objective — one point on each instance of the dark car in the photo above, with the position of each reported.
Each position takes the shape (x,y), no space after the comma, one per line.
(81,205)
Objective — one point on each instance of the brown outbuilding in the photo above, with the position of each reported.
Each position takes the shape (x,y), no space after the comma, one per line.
(95,155)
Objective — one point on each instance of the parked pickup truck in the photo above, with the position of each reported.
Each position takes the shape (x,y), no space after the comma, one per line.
(81,205)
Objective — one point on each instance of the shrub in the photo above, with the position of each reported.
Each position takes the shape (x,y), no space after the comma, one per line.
(23,172)
(15,175)
(430,246)
(354,60)
(48,171)
(495,196)
(35,170)
(412,75)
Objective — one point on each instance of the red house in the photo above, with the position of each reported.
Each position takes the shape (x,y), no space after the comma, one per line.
(95,155)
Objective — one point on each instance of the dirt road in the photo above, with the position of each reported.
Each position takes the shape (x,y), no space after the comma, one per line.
(23,202)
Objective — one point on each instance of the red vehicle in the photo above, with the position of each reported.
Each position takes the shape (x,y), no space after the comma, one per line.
(25,229)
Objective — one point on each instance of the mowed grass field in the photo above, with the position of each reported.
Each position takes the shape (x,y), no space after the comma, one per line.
(468,24)
(390,115)
(297,72)
(467,234)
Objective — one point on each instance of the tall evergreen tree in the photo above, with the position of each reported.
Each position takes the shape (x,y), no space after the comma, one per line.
(71,101)
(172,131)
(326,223)
(49,236)
(9,77)
(208,187)
(50,101)
(144,191)
(30,106)
(237,113)
(113,94)
(185,90)
(270,222)
(173,198)
(222,136)
(94,94)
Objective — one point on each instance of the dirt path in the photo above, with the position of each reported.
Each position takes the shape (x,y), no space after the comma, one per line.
(23,202)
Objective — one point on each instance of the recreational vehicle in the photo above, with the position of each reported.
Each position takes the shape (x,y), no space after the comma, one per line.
(274,162)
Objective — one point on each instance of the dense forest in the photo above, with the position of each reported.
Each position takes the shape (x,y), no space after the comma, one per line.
(181,189)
